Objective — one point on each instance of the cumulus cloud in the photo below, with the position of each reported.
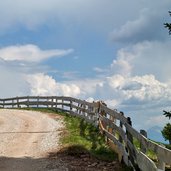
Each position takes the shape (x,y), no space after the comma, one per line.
(30,53)
(41,84)
(144,58)
(121,65)
(137,90)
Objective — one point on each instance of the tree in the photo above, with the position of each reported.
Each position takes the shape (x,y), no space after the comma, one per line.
(166,132)
(167,114)
(168,25)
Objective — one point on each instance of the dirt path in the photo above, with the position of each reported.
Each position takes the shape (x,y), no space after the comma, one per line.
(26,138)
(29,141)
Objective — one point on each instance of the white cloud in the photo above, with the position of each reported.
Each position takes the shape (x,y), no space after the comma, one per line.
(133,90)
(144,58)
(121,65)
(145,88)
(41,84)
(30,53)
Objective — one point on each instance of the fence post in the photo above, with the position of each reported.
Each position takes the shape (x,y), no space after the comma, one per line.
(132,154)
(28,101)
(70,105)
(47,102)
(103,113)
(56,103)
(130,138)
(12,103)
(37,101)
(78,111)
(83,109)
(3,103)
(18,102)
(142,148)
(121,125)
(62,104)
(52,102)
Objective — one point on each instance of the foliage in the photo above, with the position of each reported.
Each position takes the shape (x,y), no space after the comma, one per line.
(168,146)
(166,132)
(168,25)
(167,114)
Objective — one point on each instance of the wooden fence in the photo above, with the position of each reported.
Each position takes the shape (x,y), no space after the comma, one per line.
(118,130)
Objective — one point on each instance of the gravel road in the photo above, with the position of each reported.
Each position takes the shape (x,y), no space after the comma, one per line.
(26,138)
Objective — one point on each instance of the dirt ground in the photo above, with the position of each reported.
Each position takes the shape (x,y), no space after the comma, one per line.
(29,141)
(26,138)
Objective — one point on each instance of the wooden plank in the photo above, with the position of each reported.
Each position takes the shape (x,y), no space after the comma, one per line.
(81,109)
(117,150)
(162,153)
(82,116)
(50,97)
(9,99)
(111,136)
(133,132)
(113,126)
(30,103)
(84,102)
(114,113)
(145,163)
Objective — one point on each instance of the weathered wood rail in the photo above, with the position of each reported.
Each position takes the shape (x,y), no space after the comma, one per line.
(117,129)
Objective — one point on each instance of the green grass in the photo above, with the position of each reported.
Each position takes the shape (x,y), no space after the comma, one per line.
(84,134)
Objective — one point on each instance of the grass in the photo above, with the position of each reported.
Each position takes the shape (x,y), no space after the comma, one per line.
(84,134)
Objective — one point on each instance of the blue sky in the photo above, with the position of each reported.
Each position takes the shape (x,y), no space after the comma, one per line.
(114,50)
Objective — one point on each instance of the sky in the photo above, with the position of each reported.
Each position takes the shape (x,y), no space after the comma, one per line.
(117,51)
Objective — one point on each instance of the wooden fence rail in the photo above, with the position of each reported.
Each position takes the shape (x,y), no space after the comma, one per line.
(117,128)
